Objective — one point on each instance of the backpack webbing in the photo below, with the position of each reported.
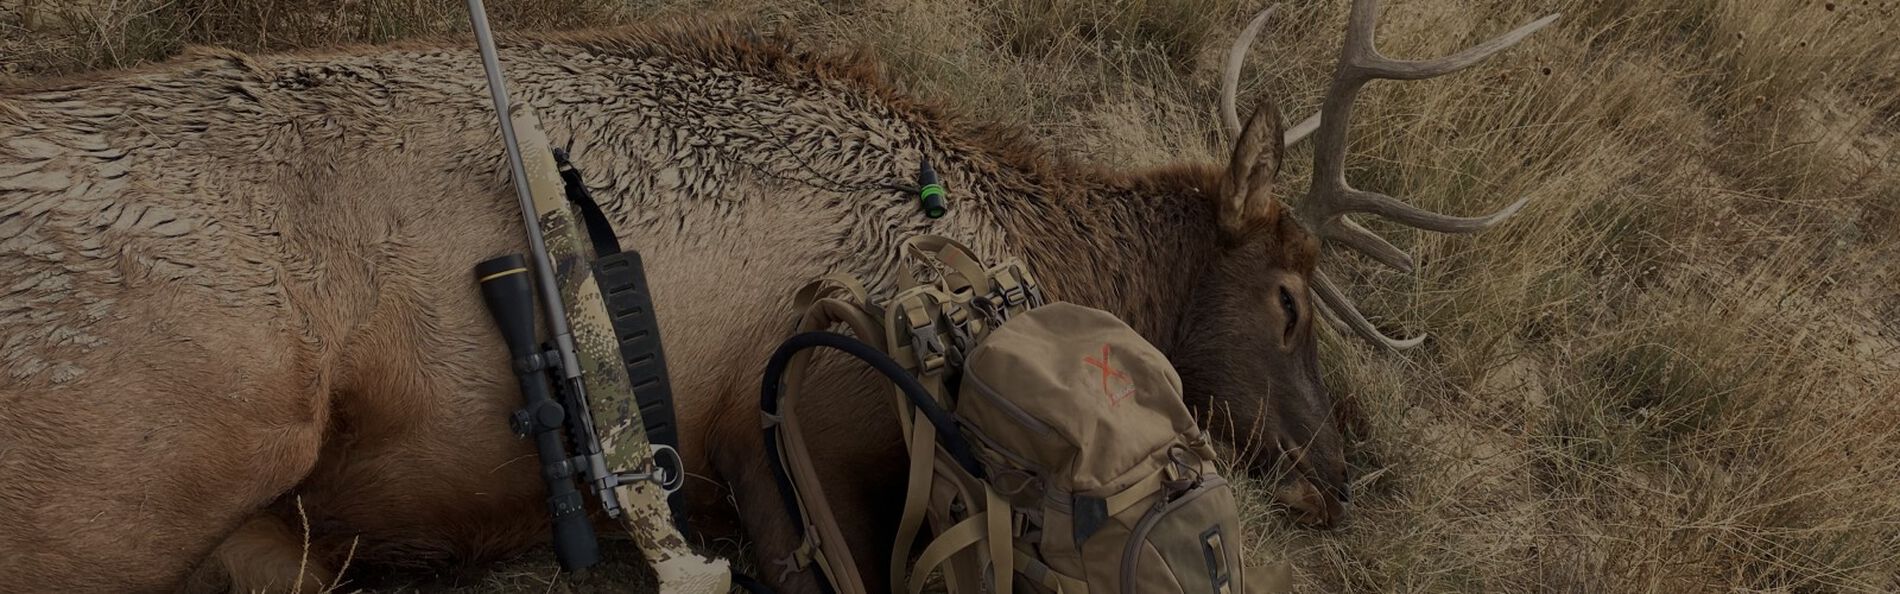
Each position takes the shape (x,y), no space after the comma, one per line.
(924,330)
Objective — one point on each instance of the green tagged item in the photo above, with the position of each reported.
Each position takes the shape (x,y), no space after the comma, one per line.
(930,193)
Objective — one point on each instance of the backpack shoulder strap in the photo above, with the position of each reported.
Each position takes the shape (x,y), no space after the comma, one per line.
(930,327)
(917,339)
(825,303)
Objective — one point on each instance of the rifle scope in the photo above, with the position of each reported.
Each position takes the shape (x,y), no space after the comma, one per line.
(507,290)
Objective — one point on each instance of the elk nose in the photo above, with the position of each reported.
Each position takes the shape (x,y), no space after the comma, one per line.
(1340,510)
(1333,513)
(1311,505)
(1342,516)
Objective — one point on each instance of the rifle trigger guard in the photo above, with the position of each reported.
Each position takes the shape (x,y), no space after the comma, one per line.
(670,468)
(665,470)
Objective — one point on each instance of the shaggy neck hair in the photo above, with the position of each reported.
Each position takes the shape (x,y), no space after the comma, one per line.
(1137,246)
(1134,244)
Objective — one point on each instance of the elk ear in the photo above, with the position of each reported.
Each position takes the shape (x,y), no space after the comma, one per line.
(1247,193)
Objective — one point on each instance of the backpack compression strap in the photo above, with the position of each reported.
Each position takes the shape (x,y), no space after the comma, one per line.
(931,327)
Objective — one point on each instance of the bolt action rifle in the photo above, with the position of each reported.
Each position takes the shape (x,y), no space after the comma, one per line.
(586,358)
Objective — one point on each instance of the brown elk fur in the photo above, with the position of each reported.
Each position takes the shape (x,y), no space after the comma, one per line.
(230,281)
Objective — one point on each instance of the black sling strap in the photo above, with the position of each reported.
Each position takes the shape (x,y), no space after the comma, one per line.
(599,230)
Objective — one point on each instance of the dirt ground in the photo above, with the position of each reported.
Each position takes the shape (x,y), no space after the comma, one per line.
(1677,370)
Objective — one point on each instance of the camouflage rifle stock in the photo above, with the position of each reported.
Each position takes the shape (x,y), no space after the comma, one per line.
(614,458)
(623,471)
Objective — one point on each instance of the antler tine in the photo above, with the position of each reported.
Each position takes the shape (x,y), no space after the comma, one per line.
(1360,62)
(1301,130)
(1379,66)
(1330,224)
(1360,46)
(1347,200)
(1331,198)
(1230,69)
(1341,311)
(1332,319)
(1230,82)
(1344,231)
(1347,232)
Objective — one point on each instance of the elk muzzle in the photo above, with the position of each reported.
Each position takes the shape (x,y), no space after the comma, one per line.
(1313,506)
(1316,492)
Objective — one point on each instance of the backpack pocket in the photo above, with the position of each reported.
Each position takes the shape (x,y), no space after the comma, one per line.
(1188,543)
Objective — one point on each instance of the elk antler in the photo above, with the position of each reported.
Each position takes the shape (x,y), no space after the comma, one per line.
(1230,81)
(1331,199)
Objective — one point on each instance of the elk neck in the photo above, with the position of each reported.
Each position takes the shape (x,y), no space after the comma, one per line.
(1132,245)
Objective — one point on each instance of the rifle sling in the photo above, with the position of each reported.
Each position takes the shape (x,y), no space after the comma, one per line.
(623,284)
(599,231)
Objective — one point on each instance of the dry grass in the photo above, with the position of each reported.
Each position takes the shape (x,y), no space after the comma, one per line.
(1678,370)
(54,36)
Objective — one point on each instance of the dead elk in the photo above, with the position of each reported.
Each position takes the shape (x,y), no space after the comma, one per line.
(235,310)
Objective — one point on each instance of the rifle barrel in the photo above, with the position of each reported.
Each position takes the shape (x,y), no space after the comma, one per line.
(544,274)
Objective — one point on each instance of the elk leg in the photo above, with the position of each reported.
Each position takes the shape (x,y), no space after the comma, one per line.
(123,480)
(265,554)
(740,458)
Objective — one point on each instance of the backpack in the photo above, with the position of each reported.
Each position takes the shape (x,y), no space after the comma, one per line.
(1050,450)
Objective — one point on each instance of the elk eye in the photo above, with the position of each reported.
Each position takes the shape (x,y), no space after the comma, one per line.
(1292,313)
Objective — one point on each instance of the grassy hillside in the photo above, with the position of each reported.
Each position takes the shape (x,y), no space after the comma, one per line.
(1677,370)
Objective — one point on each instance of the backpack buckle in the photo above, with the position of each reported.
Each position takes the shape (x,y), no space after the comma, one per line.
(1012,292)
(1181,473)
(928,343)
(963,332)
(801,557)
(925,340)
(1015,287)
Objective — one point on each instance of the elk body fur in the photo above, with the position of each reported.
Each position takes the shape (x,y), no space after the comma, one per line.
(232,281)
(235,292)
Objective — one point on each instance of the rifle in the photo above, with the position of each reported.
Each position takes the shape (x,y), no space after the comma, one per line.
(614,460)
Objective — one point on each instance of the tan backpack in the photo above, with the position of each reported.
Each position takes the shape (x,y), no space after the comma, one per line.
(1048,441)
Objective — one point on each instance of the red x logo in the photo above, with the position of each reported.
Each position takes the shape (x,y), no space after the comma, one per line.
(1109,372)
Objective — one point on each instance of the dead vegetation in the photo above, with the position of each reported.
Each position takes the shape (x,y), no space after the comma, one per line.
(1678,369)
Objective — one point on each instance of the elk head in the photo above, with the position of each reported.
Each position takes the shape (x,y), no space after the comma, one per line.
(1250,347)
